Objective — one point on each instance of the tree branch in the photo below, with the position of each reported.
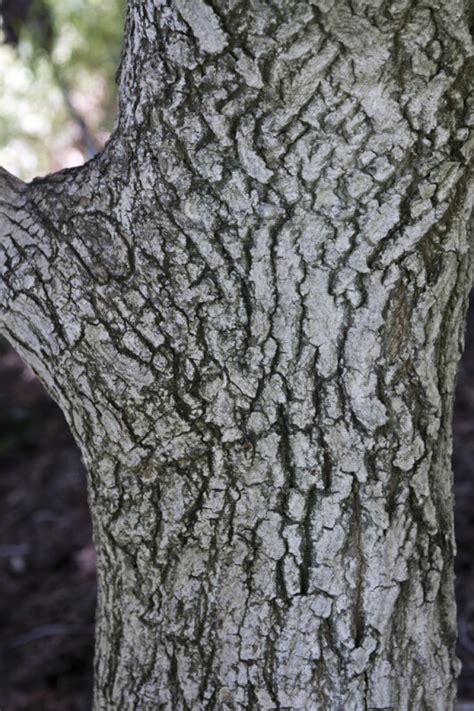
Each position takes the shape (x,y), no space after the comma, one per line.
(10,186)
(26,267)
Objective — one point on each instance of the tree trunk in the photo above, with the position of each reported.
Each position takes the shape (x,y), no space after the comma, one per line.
(250,309)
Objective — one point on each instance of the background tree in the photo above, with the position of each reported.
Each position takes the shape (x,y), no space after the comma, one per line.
(249,307)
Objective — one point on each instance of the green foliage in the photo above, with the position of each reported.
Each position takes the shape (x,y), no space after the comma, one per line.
(89,36)
(81,36)
(72,44)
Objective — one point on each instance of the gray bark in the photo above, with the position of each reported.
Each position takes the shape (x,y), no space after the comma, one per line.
(250,308)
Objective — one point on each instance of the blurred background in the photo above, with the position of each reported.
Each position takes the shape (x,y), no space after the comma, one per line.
(58,60)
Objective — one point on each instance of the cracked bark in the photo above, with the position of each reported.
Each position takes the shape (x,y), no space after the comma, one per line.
(250,308)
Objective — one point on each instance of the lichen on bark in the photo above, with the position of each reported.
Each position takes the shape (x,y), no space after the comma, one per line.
(250,308)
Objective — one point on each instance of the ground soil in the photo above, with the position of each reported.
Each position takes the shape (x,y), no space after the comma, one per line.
(47,564)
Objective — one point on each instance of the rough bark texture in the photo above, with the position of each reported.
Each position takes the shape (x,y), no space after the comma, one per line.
(250,307)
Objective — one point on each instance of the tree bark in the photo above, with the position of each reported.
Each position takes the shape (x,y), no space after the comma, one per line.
(250,308)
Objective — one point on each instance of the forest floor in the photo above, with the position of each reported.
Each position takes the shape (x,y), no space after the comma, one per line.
(47,563)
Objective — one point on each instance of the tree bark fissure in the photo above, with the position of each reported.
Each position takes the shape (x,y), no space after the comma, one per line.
(250,307)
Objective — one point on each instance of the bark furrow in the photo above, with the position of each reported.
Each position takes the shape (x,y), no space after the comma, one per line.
(250,308)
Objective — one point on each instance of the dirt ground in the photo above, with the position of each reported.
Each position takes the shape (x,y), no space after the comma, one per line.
(47,565)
